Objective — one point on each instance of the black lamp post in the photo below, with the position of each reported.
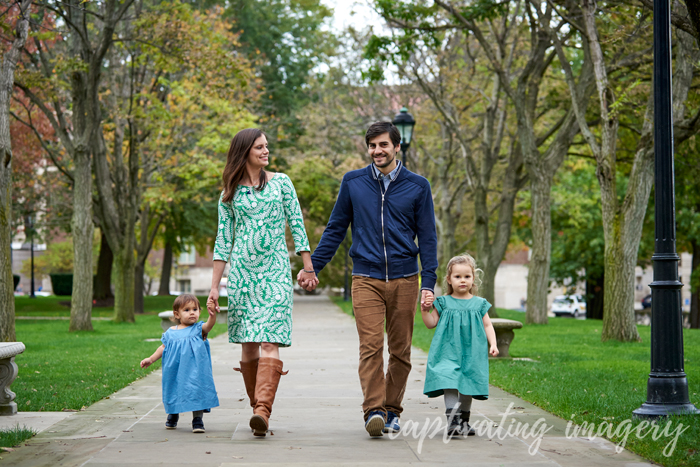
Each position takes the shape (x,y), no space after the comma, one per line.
(29,225)
(667,387)
(404,121)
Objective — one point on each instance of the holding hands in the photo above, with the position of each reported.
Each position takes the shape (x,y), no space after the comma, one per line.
(307,280)
(213,301)
(426,300)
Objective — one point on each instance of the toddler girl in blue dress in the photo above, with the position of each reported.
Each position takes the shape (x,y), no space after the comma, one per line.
(188,383)
(458,364)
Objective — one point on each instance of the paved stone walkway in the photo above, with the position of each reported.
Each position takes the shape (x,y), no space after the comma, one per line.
(317,419)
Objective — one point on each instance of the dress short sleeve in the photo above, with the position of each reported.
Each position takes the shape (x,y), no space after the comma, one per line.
(165,338)
(485,307)
(439,304)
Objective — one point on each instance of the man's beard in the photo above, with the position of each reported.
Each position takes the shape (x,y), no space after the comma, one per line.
(388,161)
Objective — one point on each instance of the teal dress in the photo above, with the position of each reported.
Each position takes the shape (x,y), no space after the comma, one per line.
(458,357)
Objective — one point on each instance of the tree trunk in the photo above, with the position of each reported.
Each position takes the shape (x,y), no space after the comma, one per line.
(538,272)
(7,78)
(488,289)
(619,318)
(143,249)
(595,293)
(448,243)
(7,298)
(139,287)
(82,229)
(694,292)
(103,280)
(164,287)
(124,267)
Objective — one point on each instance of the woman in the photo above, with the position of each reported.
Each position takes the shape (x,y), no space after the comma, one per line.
(253,208)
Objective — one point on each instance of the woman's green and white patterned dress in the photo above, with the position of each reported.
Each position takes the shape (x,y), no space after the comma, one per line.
(260,277)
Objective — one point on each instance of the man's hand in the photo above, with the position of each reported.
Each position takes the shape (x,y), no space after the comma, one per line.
(426,299)
(307,280)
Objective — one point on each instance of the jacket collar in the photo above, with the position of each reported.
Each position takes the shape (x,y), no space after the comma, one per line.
(393,175)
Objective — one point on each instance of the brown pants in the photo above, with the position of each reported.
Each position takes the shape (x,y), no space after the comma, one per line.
(375,301)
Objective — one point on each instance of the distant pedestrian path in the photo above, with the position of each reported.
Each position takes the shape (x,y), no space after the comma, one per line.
(317,418)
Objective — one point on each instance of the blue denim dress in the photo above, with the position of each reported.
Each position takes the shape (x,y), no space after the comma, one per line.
(188,382)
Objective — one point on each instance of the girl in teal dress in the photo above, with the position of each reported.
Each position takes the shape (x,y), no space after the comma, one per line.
(188,382)
(458,365)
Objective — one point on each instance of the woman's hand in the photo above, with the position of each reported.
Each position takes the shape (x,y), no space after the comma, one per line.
(493,351)
(213,300)
(307,280)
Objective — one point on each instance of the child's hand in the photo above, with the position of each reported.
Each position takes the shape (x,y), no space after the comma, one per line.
(146,362)
(493,351)
(212,311)
(211,306)
(427,301)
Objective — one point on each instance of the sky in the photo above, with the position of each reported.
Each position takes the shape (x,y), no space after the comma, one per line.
(357,13)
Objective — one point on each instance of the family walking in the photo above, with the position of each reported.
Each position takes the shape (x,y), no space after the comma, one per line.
(390,212)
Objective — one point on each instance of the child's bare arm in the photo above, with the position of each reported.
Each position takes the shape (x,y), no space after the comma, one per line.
(146,362)
(211,320)
(430,319)
(491,336)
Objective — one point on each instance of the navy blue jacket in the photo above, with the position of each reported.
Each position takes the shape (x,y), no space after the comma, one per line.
(384,228)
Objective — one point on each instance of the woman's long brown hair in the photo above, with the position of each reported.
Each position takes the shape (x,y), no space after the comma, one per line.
(236,161)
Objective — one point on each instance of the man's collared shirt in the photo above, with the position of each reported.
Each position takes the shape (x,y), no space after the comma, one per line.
(387,178)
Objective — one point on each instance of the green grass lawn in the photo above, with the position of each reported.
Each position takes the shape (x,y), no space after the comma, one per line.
(577,377)
(63,370)
(60,306)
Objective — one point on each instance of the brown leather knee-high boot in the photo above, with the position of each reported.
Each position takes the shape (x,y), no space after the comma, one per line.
(249,370)
(268,378)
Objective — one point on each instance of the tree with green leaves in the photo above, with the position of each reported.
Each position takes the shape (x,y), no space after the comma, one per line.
(623,103)
(61,76)
(179,87)
(515,39)
(687,174)
(286,41)
(12,49)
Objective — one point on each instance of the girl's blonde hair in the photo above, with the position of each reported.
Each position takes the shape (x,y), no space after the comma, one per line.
(469,261)
(181,301)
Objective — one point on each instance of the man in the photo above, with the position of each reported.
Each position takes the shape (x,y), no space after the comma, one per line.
(386,206)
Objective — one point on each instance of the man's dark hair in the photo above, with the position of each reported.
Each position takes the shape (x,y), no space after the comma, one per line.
(379,128)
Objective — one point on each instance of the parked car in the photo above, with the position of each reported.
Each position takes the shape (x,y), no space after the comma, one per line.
(569,305)
(646,302)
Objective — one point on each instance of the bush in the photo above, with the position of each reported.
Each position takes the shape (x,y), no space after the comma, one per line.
(58,259)
(62,284)
(15,279)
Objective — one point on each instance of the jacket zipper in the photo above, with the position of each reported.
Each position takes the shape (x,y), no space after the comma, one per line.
(386,261)
(383,192)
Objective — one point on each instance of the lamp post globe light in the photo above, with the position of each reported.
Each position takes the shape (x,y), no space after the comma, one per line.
(405,122)
(667,386)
